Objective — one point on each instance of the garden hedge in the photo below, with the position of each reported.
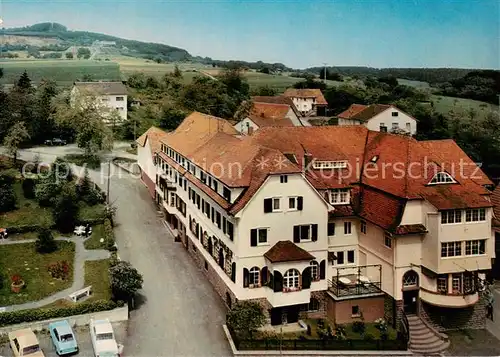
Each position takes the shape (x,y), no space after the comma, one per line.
(109,235)
(21,316)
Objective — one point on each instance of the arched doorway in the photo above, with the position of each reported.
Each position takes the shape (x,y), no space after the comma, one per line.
(410,287)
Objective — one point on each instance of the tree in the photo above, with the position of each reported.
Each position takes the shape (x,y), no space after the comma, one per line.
(45,242)
(87,78)
(265,91)
(171,117)
(243,110)
(24,82)
(125,280)
(16,136)
(86,191)
(83,53)
(237,85)
(310,83)
(69,55)
(177,72)
(7,198)
(65,210)
(245,318)
(28,188)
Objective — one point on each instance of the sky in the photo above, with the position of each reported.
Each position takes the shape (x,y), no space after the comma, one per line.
(300,33)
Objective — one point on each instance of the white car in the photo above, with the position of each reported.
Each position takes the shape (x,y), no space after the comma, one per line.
(103,339)
(24,343)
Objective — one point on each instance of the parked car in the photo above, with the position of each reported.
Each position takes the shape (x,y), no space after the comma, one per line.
(55,142)
(24,343)
(63,338)
(103,339)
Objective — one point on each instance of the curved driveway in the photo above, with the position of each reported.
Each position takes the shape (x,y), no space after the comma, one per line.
(180,314)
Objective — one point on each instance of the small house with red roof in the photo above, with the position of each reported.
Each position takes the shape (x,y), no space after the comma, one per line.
(379,117)
(309,102)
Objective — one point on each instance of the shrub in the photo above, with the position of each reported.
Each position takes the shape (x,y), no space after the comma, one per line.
(369,337)
(308,330)
(59,270)
(29,188)
(87,192)
(340,332)
(66,209)
(46,192)
(358,327)
(125,280)
(109,236)
(45,242)
(246,317)
(21,316)
(7,198)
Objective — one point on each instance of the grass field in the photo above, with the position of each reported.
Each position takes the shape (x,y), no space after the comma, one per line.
(64,72)
(97,275)
(23,259)
(444,104)
(416,84)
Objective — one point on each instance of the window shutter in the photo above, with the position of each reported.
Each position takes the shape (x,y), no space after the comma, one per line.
(314,233)
(253,237)
(263,276)
(278,282)
(306,278)
(271,280)
(296,234)
(230,230)
(268,205)
(300,203)
(233,272)
(245,277)
(322,270)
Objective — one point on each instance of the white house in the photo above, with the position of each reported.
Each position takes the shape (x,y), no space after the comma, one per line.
(147,145)
(264,114)
(309,102)
(378,117)
(112,95)
(283,218)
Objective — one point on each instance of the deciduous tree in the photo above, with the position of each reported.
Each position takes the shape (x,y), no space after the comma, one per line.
(245,318)
(125,280)
(15,137)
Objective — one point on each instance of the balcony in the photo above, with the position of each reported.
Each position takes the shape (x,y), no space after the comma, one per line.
(449,300)
(362,281)
(166,184)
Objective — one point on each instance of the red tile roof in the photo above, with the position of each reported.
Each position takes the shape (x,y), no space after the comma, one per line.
(407,229)
(278,99)
(352,110)
(495,200)
(287,251)
(153,136)
(306,93)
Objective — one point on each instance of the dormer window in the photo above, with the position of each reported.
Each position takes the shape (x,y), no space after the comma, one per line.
(442,177)
(329,164)
(339,196)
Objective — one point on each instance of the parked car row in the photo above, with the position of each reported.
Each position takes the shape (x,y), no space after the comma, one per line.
(25,343)
(55,142)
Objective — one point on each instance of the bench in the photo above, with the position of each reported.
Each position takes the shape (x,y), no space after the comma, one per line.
(81,294)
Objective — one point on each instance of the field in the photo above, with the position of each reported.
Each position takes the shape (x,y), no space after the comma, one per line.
(416,84)
(444,104)
(64,72)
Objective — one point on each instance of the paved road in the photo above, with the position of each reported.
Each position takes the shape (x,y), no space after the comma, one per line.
(494,326)
(180,314)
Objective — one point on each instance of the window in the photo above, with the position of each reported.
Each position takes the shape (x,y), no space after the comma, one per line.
(314,270)
(329,164)
(262,236)
(442,177)
(305,232)
(355,311)
(224,222)
(451,249)
(226,193)
(408,127)
(230,230)
(347,228)
(475,215)
(394,114)
(339,196)
(119,99)
(475,247)
(410,279)
(331,229)
(283,178)
(218,219)
(395,126)
(340,258)
(350,256)
(215,185)
(383,128)
(276,204)
(363,227)
(456,283)
(313,305)
(292,203)
(451,216)
(291,279)
(388,240)
(442,284)
(254,277)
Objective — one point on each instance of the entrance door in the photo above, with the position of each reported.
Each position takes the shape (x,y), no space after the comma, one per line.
(410,299)
(292,314)
(276,316)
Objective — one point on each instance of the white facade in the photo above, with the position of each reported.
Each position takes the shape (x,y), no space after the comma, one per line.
(145,160)
(247,125)
(304,105)
(388,120)
(110,102)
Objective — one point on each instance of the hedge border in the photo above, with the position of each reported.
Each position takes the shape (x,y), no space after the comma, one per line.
(40,314)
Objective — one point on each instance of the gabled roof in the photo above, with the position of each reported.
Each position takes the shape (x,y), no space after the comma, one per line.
(102,88)
(306,93)
(153,136)
(370,111)
(352,110)
(278,99)
(287,251)
(495,200)
(270,114)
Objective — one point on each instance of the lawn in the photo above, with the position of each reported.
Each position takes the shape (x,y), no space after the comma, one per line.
(23,259)
(64,72)
(94,241)
(93,162)
(27,213)
(444,104)
(96,275)
(473,343)
(91,212)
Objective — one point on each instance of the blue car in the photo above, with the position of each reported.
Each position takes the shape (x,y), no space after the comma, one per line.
(63,337)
